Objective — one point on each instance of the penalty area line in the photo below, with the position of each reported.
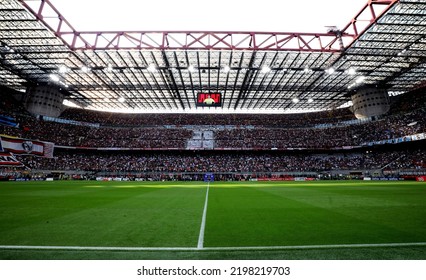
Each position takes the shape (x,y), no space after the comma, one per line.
(259,248)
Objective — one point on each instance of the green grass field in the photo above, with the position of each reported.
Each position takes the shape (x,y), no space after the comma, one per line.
(244,220)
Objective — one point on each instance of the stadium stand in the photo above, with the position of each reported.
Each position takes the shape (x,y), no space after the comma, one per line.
(271,149)
(273,120)
(227,162)
(233,136)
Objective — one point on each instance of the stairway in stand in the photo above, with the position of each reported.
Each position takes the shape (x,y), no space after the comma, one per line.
(201,140)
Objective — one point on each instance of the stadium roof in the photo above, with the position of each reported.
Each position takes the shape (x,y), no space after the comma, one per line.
(162,71)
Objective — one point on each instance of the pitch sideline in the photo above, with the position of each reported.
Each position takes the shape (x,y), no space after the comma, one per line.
(258,248)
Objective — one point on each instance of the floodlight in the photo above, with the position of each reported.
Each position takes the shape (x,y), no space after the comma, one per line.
(360,79)
(402,52)
(265,69)
(351,71)
(54,77)
(63,69)
(330,70)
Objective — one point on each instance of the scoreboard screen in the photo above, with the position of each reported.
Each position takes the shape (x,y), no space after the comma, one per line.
(209,99)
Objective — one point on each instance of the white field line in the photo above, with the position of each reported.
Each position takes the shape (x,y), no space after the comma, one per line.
(89,248)
(203,220)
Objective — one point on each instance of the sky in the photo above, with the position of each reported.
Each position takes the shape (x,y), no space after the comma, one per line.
(218,15)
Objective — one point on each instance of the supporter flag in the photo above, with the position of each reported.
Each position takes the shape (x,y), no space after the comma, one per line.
(26,147)
(7,159)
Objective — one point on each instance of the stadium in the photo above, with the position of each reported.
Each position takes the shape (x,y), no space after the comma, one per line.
(213,145)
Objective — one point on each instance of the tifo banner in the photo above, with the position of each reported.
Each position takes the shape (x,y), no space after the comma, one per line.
(26,147)
(7,159)
(407,138)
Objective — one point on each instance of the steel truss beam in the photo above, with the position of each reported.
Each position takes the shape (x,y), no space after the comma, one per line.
(367,16)
(334,41)
(188,40)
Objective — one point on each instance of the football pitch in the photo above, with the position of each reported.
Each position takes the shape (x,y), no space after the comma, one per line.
(218,220)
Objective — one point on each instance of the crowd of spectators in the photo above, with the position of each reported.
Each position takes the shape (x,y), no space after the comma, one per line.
(271,120)
(85,136)
(236,138)
(415,159)
(319,138)
(408,102)
(9,105)
(251,162)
